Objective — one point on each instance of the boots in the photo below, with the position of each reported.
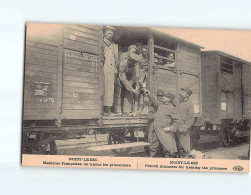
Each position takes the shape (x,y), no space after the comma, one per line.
(107,110)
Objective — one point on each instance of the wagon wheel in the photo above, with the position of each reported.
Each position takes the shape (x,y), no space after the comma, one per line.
(51,148)
(47,148)
(224,136)
(120,137)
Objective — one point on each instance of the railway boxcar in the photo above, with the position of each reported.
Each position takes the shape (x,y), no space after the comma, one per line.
(63,82)
(226,101)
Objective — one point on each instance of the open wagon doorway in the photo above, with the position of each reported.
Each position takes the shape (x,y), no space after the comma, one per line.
(132,45)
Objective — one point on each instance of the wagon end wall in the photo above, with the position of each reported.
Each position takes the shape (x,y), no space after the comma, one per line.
(62,72)
(246,79)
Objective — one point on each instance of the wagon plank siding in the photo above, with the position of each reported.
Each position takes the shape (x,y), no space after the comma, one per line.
(38,50)
(246,79)
(80,39)
(75,45)
(40,82)
(165,80)
(189,60)
(83,96)
(79,114)
(39,75)
(49,40)
(87,29)
(39,45)
(221,87)
(81,34)
(47,69)
(81,72)
(41,56)
(89,106)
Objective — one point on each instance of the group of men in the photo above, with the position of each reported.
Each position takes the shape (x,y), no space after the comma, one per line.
(124,77)
(169,131)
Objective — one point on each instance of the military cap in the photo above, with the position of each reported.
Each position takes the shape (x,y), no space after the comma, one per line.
(189,91)
(170,96)
(132,46)
(144,48)
(109,27)
(160,93)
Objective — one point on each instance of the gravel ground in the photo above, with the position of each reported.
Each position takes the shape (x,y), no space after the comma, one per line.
(80,147)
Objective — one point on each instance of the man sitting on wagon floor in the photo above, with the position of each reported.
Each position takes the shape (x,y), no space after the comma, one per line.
(166,120)
(186,111)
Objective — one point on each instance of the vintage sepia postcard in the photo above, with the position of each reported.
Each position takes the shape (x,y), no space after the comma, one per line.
(136,98)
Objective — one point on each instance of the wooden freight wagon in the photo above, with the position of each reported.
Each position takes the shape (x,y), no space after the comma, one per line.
(63,84)
(225,93)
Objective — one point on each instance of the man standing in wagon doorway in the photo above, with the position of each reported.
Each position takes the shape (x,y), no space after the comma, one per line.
(110,60)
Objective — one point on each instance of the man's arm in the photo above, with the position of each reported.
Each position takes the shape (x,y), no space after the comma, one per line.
(136,70)
(176,119)
(152,112)
(154,100)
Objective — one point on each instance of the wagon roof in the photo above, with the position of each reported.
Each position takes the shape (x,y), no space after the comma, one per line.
(227,55)
(165,35)
(159,34)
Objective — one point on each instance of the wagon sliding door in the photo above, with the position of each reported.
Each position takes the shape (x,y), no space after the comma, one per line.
(190,75)
(186,71)
(81,72)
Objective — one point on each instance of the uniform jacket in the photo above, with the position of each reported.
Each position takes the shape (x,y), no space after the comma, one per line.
(186,112)
(128,73)
(110,55)
(165,116)
(143,67)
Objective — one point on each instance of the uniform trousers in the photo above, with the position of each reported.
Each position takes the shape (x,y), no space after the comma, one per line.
(183,141)
(158,138)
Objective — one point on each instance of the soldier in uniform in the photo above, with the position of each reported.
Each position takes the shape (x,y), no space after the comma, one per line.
(128,76)
(165,121)
(186,111)
(142,66)
(110,60)
(131,53)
